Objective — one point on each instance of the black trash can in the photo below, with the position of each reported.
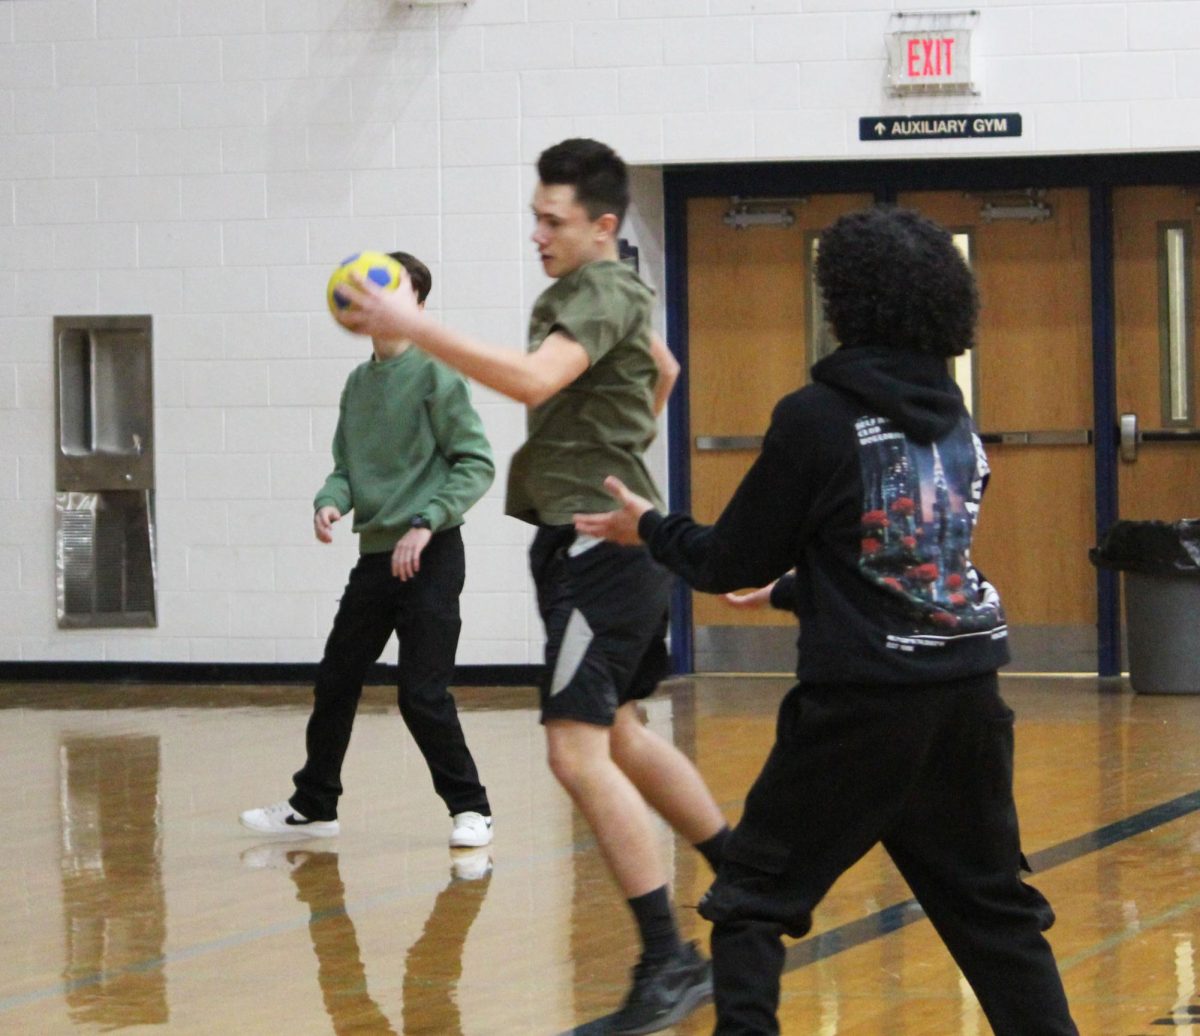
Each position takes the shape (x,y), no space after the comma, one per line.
(1161,564)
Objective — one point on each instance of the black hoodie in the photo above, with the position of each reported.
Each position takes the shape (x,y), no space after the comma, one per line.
(868,485)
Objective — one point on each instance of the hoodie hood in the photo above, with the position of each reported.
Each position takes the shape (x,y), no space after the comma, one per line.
(912,389)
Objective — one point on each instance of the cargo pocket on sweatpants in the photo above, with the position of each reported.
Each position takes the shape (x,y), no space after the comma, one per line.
(752,885)
(1035,900)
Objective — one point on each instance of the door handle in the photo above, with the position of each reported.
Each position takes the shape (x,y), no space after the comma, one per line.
(1129,437)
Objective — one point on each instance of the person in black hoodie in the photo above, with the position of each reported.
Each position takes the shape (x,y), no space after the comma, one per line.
(868,486)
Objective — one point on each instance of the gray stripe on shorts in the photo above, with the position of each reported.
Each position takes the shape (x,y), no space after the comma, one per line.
(581,543)
(576,638)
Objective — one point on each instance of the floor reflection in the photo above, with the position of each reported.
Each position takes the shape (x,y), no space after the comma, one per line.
(433,964)
(125,809)
(114,906)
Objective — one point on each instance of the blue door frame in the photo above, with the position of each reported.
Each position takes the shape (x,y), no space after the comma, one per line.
(885,180)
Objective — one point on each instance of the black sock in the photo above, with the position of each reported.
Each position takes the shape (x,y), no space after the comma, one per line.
(713,849)
(656,923)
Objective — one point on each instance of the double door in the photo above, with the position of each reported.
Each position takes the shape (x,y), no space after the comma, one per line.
(753,332)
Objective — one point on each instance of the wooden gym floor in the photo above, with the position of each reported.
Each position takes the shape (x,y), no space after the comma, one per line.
(130,895)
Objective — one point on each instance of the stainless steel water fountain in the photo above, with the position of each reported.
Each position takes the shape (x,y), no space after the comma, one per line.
(104,471)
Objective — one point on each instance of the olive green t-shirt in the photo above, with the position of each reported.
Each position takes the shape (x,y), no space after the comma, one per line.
(602,422)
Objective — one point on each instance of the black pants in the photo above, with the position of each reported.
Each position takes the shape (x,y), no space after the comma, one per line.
(424,614)
(925,770)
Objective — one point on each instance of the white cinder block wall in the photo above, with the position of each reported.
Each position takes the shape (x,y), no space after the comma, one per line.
(207,163)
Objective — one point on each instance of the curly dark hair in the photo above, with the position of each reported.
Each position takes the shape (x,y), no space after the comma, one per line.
(595,170)
(892,277)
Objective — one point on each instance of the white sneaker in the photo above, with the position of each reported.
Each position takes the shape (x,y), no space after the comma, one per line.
(281,819)
(470,864)
(471,830)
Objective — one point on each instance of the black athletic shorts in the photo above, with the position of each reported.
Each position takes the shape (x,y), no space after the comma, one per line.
(604,607)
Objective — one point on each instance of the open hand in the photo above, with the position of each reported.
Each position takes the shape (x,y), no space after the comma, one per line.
(620,526)
(759,598)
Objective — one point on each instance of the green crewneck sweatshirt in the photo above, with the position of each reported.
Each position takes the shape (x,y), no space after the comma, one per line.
(408,442)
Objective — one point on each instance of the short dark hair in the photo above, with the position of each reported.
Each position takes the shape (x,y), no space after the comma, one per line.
(418,273)
(891,277)
(595,170)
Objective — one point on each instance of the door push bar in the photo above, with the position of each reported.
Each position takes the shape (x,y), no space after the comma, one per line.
(1051,437)
(720,443)
(1130,436)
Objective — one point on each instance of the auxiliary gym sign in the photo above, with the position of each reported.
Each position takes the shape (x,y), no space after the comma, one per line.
(935,127)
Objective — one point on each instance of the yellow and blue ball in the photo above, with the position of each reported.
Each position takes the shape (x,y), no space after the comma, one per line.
(373,267)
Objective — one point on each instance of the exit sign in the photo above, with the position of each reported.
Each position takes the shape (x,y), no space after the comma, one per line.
(930,61)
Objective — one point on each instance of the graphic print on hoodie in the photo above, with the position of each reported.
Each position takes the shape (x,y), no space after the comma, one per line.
(920,501)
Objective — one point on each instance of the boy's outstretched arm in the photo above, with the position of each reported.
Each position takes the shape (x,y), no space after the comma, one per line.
(529,378)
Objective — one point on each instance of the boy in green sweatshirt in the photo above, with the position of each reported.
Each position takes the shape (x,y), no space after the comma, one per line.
(410,458)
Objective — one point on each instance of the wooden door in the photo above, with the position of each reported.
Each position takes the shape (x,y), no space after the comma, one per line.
(1032,401)
(1029,382)
(1160,477)
(748,313)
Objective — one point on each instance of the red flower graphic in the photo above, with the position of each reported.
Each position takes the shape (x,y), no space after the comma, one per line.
(926,573)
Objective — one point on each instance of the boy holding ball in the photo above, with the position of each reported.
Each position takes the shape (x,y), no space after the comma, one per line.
(594,379)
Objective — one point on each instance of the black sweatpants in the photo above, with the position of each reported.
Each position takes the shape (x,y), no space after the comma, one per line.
(423,612)
(927,771)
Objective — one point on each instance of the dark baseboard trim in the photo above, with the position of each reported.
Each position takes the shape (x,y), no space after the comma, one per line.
(241,673)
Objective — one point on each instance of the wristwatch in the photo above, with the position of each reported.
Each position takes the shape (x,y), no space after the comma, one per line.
(419,521)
